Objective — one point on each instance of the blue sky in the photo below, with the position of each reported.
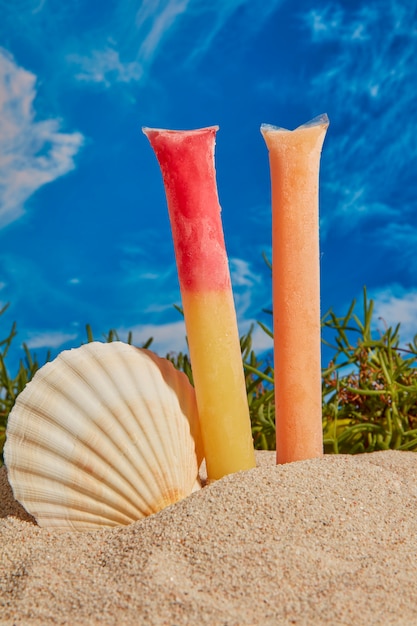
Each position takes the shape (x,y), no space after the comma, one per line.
(84,231)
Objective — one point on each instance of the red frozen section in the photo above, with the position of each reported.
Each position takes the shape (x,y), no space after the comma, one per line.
(186,159)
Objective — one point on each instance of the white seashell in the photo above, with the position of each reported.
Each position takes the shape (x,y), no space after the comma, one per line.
(103,435)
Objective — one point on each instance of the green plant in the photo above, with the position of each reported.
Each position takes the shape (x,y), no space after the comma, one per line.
(259,377)
(369,387)
(11,386)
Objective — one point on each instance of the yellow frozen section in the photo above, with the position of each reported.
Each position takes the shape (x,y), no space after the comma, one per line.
(210,320)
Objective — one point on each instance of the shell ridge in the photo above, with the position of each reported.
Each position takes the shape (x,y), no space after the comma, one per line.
(127,490)
(44,497)
(100,452)
(132,500)
(162,481)
(161,475)
(169,475)
(121,446)
(104,434)
(165,481)
(186,399)
(165,475)
(132,437)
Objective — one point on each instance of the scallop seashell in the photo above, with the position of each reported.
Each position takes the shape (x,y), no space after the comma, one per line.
(103,435)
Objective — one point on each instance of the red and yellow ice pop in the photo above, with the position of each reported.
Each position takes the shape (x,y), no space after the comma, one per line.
(186,159)
(294,163)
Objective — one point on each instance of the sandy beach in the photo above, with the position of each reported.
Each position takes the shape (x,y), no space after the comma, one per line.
(327,541)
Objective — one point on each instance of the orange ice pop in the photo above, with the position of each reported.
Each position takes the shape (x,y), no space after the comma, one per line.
(294,164)
(186,159)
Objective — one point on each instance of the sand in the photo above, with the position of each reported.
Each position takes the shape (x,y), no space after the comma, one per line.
(327,541)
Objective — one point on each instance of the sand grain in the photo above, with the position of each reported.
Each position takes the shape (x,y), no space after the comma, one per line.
(326,541)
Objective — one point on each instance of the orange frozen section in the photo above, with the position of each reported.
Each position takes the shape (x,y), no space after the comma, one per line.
(219,381)
(294,163)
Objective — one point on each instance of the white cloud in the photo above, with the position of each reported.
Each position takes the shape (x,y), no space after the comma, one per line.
(155,19)
(140,36)
(249,290)
(241,273)
(399,240)
(105,66)
(322,22)
(261,341)
(48,339)
(394,305)
(161,307)
(32,153)
(166,337)
(401,236)
(367,80)
(149,276)
(329,23)
(140,39)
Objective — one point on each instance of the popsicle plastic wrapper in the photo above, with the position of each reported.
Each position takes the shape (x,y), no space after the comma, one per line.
(294,165)
(186,160)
